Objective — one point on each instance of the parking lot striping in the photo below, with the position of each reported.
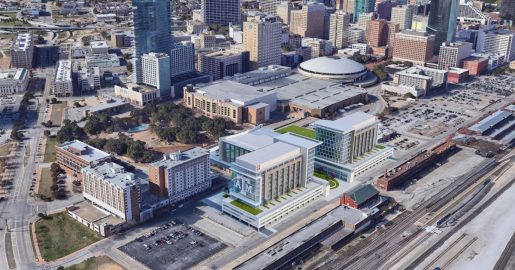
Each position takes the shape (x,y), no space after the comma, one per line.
(172,246)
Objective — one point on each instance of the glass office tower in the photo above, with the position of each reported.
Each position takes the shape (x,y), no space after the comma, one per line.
(152,30)
(363,6)
(443,16)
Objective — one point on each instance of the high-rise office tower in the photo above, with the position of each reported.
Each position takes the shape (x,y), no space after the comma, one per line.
(443,15)
(22,51)
(508,9)
(152,31)
(384,9)
(391,29)
(376,33)
(338,29)
(346,5)
(451,54)
(156,71)
(413,46)
(220,12)
(182,58)
(262,39)
(269,6)
(363,6)
(308,21)
(403,16)
(364,18)
(224,63)
(283,11)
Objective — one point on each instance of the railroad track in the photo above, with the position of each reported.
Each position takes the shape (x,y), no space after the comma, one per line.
(368,257)
(508,252)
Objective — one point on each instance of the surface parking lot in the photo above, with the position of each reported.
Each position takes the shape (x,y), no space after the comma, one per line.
(172,246)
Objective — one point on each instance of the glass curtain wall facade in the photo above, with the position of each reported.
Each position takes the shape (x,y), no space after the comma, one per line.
(363,6)
(230,152)
(335,147)
(443,16)
(152,31)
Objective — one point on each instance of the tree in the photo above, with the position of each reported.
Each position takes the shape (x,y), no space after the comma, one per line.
(53,100)
(46,133)
(16,135)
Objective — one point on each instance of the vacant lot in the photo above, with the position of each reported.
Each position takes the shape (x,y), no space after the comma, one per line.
(57,112)
(51,142)
(60,235)
(45,182)
(299,131)
(96,263)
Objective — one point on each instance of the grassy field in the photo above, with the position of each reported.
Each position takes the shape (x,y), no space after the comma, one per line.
(299,131)
(57,112)
(45,183)
(61,235)
(96,263)
(51,142)
(246,207)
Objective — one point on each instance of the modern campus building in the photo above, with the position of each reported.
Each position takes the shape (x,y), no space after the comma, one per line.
(108,186)
(231,100)
(180,175)
(152,31)
(220,12)
(272,174)
(75,155)
(452,54)
(105,61)
(349,146)
(413,46)
(13,81)
(63,84)
(22,51)
(443,16)
(262,39)
(137,95)
(156,72)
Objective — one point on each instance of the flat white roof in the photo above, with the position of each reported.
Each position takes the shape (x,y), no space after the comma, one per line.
(267,156)
(64,71)
(348,123)
(253,139)
(231,90)
(89,153)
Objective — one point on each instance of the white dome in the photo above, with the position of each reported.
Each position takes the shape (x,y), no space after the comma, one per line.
(332,66)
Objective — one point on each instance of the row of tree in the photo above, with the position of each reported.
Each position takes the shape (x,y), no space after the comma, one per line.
(16,135)
(125,146)
(172,122)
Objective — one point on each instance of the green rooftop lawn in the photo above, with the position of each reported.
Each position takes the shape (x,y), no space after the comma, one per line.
(379,146)
(299,131)
(246,207)
(333,183)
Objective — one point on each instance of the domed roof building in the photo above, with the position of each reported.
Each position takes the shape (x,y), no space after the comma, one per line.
(333,68)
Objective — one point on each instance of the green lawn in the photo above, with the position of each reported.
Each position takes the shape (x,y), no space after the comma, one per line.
(51,143)
(379,146)
(61,235)
(45,182)
(94,263)
(333,183)
(246,207)
(299,131)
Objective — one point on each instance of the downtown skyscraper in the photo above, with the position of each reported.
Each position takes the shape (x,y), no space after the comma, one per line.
(363,6)
(443,15)
(152,31)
